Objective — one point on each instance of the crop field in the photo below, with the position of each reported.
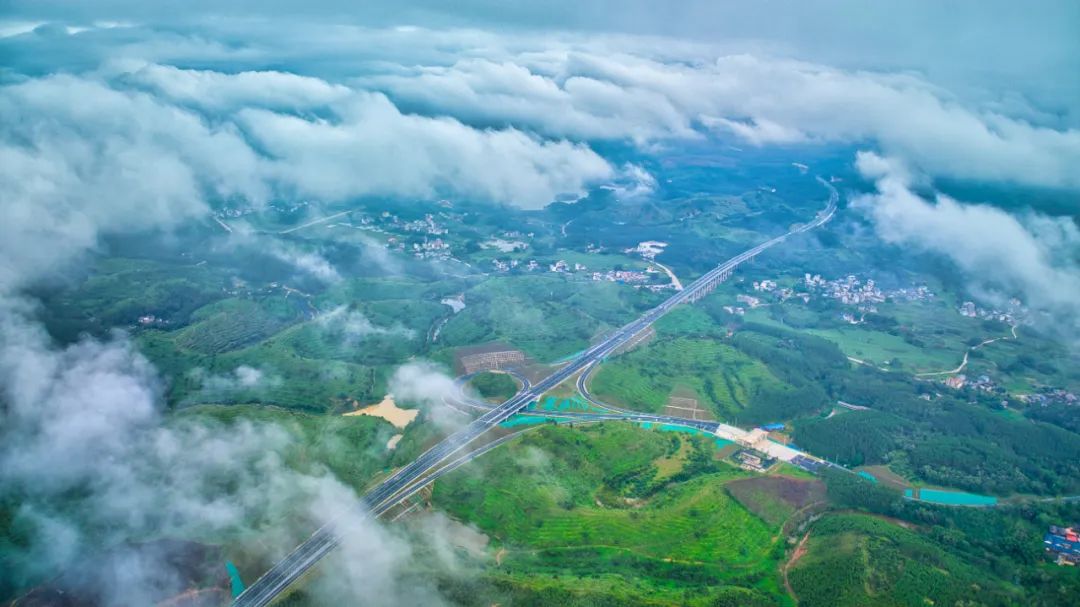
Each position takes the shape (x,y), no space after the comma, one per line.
(231,324)
(693,321)
(527,579)
(929,336)
(880,349)
(561,492)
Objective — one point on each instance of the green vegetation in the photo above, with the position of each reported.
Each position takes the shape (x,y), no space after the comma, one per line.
(854,437)
(857,560)
(341,444)
(495,387)
(690,354)
(546,316)
(613,514)
(945,440)
(1001,546)
(231,324)
(612,499)
(119,290)
(722,379)
(764,373)
(288,380)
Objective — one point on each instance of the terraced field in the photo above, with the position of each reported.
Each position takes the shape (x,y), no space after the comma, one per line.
(231,324)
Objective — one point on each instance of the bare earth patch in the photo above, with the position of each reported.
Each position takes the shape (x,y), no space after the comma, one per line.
(775,498)
(682,403)
(800,550)
(389,411)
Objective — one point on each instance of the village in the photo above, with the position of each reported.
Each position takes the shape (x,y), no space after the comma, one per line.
(848,291)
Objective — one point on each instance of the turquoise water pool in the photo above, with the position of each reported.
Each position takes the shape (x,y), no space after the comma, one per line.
(677,428)
(525,420)
(952,498)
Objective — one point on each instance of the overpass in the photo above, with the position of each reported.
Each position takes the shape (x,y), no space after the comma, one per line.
(412,477)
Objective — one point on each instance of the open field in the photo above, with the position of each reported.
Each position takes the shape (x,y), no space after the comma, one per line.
(876,347)
(683,403)
(388,410)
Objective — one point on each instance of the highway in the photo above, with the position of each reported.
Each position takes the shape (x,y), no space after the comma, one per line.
(410,478)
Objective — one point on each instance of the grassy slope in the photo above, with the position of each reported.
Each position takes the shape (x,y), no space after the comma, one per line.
(495,387)
(685,354)
(562,500)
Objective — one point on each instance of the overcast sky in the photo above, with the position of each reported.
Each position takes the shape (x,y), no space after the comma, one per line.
(992,45)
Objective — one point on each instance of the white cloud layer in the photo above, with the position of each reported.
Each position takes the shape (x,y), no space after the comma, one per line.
(372,148)
(589,95)
(1033,256)
(85,446)
(425,384)
(81,156)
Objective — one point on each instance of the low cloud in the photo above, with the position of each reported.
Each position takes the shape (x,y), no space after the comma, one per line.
(372,148)
(83,156)
(79,159)
(352,326)
(244,380)
(584,93)
(305,260)
(219,91)
(96,465)
(426,384)
(1032,256)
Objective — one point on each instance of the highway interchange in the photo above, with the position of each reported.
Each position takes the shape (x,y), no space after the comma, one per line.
(446,455)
